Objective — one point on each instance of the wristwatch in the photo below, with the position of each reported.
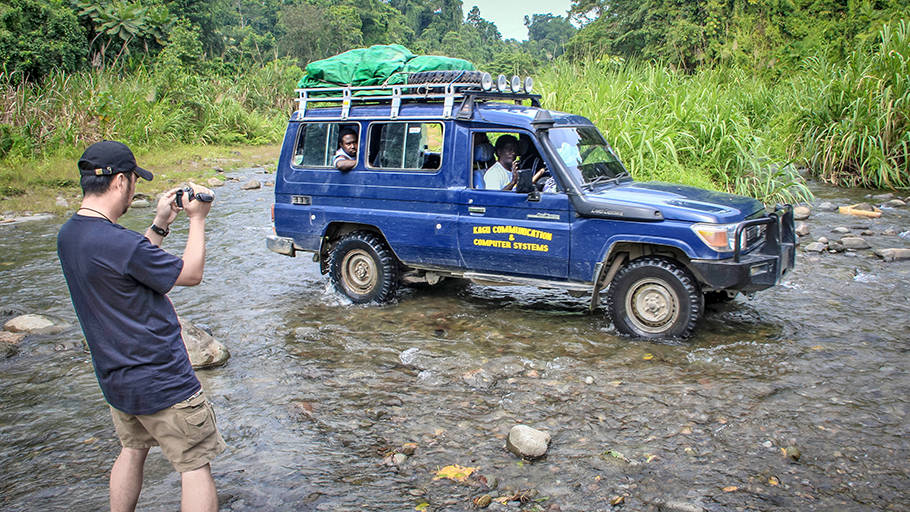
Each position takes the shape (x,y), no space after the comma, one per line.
(160,231)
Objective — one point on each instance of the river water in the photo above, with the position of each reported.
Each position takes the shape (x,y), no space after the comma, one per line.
(318,391)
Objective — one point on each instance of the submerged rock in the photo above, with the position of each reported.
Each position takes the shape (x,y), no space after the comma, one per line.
(527,442)
(33,324)
(827,206)
(204,350)
(893,254)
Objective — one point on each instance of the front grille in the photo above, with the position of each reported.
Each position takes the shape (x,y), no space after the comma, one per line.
(752,236)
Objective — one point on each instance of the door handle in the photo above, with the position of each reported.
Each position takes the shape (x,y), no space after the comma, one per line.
(477,209)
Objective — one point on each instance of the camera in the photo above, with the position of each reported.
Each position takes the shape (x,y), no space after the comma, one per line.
(190,195)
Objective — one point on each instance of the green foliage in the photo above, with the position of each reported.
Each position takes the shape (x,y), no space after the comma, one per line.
(852,123)
(711,129)
(119,25)
(37,36)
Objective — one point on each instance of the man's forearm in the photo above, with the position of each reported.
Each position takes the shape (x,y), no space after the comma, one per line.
(194,254)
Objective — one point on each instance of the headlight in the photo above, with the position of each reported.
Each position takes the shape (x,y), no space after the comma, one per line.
(720,237)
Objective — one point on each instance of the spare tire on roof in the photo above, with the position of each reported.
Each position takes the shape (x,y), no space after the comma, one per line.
(444,77)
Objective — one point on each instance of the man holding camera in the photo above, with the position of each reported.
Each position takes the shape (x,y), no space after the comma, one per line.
(118,280)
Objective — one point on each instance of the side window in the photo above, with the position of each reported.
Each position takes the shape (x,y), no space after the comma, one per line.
(410,146)
(494,155)
(317,143)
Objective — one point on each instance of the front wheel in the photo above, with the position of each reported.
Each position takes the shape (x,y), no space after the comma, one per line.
(654,298)
(363,268)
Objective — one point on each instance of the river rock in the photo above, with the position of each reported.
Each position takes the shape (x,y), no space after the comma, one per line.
(32,324)
(854,242)
(9,342)
(841,230)
(204,350)
(894,254)
(527,442)
(883,197)
(822,240)
(62,202)
(251,185)
(827,206)
(895,203)
(219,169)
(836,246)
(140,203)
(215,182)
(864,207)
(269,183)
(816,247)
(802,229)
(889,232)
(801,212)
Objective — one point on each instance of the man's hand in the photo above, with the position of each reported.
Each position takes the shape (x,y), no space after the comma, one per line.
(167,210)
(197,209)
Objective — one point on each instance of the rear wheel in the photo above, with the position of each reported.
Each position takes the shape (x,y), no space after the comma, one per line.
(654,298)
(363,268)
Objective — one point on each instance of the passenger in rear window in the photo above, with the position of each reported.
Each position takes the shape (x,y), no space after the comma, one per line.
(346,156)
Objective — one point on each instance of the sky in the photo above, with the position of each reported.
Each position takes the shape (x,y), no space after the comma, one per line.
(509,15)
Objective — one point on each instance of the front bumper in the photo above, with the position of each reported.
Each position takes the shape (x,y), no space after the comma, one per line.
(281,245)
(761,268)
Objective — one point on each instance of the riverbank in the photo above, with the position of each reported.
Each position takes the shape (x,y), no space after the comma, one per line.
(52,185)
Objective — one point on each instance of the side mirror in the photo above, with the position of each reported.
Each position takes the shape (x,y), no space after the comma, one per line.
(534,195)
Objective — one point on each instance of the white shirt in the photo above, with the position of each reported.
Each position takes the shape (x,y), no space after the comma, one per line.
(496,177)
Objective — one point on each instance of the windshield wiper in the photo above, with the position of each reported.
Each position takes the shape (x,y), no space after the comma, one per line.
(605,179)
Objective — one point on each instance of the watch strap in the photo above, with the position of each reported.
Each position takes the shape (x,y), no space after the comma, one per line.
(160,231)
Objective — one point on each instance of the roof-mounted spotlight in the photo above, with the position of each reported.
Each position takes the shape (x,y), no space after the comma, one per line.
(516,84)
(529,84)
(501,83)
(486,81)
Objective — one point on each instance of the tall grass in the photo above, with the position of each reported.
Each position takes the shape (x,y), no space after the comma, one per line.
(712,129)
(148,108)
(852,119)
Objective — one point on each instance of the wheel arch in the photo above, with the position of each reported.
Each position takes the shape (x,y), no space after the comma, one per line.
(336,230)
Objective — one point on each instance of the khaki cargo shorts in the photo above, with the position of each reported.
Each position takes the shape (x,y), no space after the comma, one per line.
(185,431)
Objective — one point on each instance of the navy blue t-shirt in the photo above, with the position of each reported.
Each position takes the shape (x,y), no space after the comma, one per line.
(118,281)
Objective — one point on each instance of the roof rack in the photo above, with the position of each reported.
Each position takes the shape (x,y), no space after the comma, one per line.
(395,95)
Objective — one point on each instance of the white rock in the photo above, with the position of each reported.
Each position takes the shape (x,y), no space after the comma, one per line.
(816,247)
(527,442)
(801,212)
(32,324)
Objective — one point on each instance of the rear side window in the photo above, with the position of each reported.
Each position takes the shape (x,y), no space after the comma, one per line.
(318,142)
(405,146)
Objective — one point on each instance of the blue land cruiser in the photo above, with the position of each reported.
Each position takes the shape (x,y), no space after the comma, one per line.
(415,207)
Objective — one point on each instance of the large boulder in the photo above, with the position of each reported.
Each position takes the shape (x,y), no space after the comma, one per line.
(204,350)
(33,324)
(527,442)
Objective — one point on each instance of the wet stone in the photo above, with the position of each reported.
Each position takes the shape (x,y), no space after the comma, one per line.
(801,212)
(893,254)
(841,230)
(889,232)
(204,350)
(140,203)
(816,247)
(883,197)
(822,240)
(527,442)
(802,229)
(827,206)
(854,242)
(835,246)
(251,185)
(895,203)
(868,232)
(32,324)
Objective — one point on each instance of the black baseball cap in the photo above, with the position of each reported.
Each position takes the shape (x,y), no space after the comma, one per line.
(110,157)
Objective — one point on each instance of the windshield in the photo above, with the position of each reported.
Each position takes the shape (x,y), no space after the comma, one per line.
(587,156)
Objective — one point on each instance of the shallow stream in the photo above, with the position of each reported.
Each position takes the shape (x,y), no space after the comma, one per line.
(318,391)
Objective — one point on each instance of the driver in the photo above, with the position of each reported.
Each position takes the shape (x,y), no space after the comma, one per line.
(498,178)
